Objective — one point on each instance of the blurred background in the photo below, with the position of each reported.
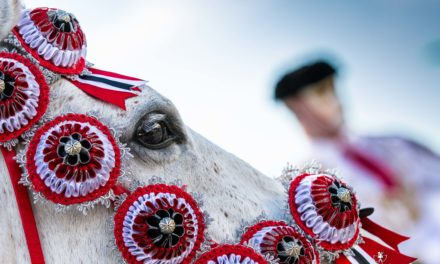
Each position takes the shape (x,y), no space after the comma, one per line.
(218,61)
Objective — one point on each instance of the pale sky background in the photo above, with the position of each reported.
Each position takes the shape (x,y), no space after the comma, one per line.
(218,62)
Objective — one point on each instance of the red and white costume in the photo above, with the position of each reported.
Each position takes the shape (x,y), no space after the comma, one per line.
(398,178)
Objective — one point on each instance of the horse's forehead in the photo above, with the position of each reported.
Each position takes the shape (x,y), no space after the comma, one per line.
(147,101)
(66,97)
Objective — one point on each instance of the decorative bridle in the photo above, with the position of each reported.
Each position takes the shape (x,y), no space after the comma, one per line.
(76,160)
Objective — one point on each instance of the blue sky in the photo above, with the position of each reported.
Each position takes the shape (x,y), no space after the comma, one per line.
(218,62)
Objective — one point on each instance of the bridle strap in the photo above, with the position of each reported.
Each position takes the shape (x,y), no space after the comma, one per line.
(24,207)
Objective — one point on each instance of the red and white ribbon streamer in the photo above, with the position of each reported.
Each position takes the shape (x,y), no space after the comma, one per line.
(391,238)
(108,86)
(371,251)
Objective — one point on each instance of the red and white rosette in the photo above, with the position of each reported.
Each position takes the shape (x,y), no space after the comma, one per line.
(281,241)
(54,38)
(231,254)
(73,159)
(24,96)
(159,223)
(326,209)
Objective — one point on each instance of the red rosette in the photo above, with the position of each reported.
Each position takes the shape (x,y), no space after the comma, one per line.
(159,224)
(73,159)
(326,209)
(24,95)
(54,38)
(281,241)
(231,254)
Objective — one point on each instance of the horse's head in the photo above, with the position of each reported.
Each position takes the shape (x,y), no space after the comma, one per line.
(163,146)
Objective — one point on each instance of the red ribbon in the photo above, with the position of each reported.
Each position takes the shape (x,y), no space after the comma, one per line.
(342,260)
(391,238)
(24,207)
(373,248)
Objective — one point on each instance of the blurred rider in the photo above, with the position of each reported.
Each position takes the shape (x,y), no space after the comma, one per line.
(398,177)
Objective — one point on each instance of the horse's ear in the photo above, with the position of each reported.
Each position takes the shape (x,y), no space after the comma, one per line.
(10,11)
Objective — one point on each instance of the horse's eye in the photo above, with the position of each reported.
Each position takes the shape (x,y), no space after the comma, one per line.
(153,132)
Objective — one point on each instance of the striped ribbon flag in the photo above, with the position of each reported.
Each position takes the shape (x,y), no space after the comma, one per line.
(108,86)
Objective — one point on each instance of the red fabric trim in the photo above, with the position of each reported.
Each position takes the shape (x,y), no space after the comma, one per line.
(156,188)
(342,260)
(106,95)
(292,205)
(251,231)
(38,183)
(24,207)
(239,250)
(43,100)
(393,239)
(112,74)
(297,217)
(74,70)
(137,89)
(372,248)
(213,244)
(118,189)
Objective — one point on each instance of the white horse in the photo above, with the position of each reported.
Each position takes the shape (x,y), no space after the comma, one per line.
(233,191)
